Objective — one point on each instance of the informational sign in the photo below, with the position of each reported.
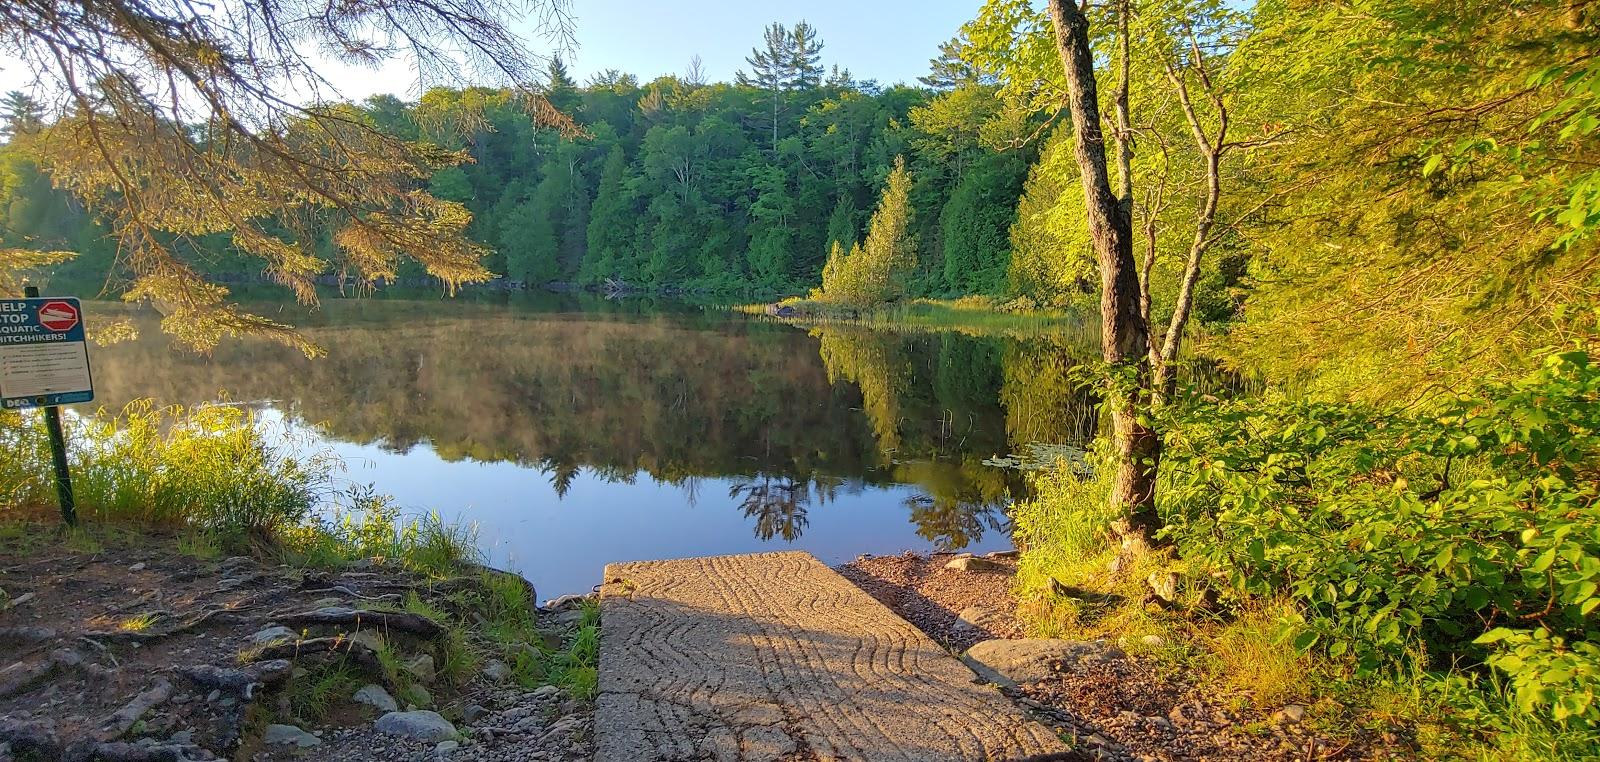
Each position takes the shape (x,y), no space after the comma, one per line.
(44,359)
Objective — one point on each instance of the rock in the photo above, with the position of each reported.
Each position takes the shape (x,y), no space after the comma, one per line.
(289,735)
(137,567)
(420,667)
(497,670)
(445,747)
(473,713)
(417,695)
(1164,585)
(270,634)
(1153,641)
(376,697)
(1006,555)
(1292,714)
(980,618)
(1008,663)
(552,640)
(1160,723)
(565,601)
(369,638)
(420,725)
(973,563)
(545,693)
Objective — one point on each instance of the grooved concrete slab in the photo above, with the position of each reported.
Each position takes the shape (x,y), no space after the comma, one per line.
(774,656)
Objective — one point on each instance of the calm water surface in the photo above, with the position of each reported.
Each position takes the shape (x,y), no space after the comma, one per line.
(576,432)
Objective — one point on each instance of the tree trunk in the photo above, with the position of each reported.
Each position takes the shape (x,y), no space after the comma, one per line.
(1124,333)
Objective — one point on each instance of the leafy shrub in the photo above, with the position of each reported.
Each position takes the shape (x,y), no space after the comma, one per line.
(1468,526)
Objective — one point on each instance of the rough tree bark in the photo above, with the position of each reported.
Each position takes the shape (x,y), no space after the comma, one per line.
(1124,331)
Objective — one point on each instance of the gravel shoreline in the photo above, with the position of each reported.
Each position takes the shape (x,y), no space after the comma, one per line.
(1127,709)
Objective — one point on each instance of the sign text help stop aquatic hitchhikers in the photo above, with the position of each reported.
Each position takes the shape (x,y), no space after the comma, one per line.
(43,358)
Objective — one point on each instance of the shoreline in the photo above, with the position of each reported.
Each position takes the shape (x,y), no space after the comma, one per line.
(122,646)
(1129,703)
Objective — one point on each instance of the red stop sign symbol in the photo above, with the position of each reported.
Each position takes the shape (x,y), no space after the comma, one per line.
(58,316)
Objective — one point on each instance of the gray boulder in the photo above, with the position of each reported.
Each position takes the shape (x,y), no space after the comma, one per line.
(418,725)
(289,735)
(1008,663)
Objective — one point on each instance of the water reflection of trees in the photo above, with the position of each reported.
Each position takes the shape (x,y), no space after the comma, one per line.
(679,398)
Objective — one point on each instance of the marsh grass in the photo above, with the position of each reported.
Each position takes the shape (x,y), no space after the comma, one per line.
(972,315)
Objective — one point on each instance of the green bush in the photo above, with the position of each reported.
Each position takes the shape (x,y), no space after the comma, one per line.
(1468,527)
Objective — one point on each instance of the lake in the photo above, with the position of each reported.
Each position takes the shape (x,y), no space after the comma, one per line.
(574,431)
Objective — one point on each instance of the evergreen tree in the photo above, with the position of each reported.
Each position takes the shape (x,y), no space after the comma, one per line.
(772,217)
(772,72)
(611,226)
(20,114)
(974,227)
(562,90)
(805,58)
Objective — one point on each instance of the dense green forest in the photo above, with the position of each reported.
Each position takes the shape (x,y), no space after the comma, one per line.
(671,184)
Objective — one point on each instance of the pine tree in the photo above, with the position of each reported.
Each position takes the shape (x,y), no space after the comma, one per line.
(611,226)
(772,72)
(805,58)
(562,90)
(20,114)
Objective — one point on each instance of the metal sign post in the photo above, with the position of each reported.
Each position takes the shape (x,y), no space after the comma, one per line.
(44,362)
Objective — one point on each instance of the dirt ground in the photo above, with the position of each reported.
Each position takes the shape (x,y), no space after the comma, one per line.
(1128,709)
(138,652)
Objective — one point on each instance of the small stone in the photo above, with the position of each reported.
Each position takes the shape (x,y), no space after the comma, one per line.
(1292,714)
(211,698)
(419,725)
(973,563)
(1164,585)
(420,667)
(565,601)
(1160,723)
(289,735)
(270,634)
(376,697)
(1009,662)
(980,618)
(497,671)
(473,713)
(546,692)
(369,638)
(137,567)
(417,695)
(1007,555)
(445,747)
(1153,641)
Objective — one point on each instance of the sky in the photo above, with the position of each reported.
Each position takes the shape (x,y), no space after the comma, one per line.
(886,40)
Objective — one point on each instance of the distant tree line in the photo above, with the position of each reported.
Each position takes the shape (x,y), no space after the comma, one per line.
(672,184)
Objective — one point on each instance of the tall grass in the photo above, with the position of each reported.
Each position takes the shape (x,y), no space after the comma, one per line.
(222,480)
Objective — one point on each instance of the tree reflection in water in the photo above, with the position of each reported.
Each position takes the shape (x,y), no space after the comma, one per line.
(785,417)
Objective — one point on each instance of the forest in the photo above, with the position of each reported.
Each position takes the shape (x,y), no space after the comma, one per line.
(1384,214)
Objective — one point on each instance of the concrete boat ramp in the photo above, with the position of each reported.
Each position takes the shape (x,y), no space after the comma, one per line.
(774,656)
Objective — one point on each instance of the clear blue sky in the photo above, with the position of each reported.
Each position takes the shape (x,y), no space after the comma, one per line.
(887,40)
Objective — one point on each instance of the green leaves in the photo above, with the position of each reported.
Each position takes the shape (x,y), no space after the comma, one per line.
(1467,527)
